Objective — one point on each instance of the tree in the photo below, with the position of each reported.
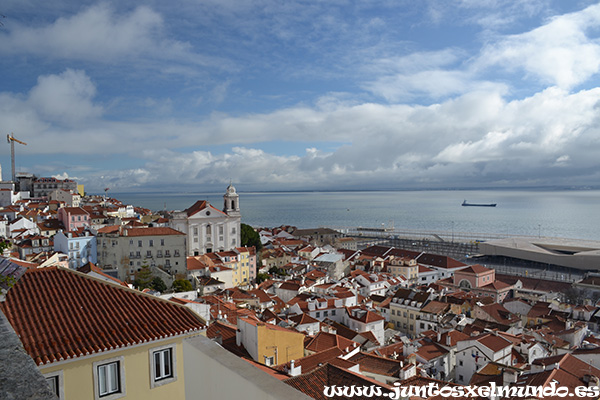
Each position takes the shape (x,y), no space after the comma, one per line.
(143,278)
(249,237)
(158,284)
(182,285)
(261,277)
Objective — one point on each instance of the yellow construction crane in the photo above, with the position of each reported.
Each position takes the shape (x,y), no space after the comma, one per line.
(10,138)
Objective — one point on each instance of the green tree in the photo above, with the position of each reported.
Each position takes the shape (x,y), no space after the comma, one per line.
(143,278)
(261,277)
(158,284)
(250,237)
(182,285)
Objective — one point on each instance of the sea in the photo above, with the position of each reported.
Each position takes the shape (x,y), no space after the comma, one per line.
(559,213)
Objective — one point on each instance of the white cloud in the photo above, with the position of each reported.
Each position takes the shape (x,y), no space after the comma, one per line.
(475,139)
(104,35)
(66,98)
(559,52)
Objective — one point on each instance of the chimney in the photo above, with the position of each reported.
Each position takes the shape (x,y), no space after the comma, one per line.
(448,339)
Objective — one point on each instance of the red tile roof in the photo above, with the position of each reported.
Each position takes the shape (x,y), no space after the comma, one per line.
(476,269)
(325,340)
(313,383)
(151,231)
(493,342)
(312,361)
(201,205)
(61,314)
(376,364)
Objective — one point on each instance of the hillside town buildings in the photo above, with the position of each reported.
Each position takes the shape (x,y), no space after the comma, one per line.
(307,311)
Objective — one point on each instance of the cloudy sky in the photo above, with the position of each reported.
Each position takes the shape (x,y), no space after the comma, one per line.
(303,94)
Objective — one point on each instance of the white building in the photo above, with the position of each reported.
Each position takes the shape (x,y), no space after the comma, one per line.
(80,246)
(209,229)
(473,354)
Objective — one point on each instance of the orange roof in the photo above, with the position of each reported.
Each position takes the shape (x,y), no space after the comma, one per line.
(60,314)
(475,269)
(151,231)
(325,340)
(199,206)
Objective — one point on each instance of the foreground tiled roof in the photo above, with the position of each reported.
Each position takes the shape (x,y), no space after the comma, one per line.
(61,314)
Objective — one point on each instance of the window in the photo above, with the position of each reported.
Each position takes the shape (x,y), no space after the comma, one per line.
(318,314)
(269,360)
(151,243)
(167,263)
(55,381)
(162,364)
(139,243)
(332,312)
(109,379)
(176,253)
(460,363)
(162,242)
(149,253)
(131,242)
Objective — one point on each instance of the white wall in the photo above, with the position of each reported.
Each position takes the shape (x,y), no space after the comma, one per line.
(211,372)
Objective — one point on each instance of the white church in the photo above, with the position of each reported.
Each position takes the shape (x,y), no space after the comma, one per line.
(209,229)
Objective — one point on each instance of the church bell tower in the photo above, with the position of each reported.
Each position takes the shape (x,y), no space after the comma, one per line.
(231,202)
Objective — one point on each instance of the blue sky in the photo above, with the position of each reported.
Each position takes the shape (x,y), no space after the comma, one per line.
(292,95)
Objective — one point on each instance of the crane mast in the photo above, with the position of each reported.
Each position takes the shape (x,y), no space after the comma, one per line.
(10,138)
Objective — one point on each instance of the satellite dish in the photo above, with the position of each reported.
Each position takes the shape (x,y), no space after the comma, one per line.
(84,260)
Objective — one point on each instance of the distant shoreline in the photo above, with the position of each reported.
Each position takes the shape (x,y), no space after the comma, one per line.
(499,189)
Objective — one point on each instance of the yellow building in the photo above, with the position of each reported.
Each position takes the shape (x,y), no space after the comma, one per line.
(406,267)
(97,340)
(269,344)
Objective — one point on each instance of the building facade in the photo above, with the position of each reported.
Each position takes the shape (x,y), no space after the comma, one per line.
(126,250)
(209,229)
(80,246)
(42,187)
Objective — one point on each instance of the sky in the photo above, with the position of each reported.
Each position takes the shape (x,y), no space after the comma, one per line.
(302,94)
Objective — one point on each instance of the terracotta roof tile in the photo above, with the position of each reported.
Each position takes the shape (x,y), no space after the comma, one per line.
(61,314)
(313,383)
(376,364)
(325,340)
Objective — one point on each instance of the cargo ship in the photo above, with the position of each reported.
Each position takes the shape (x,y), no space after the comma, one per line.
(465,204)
